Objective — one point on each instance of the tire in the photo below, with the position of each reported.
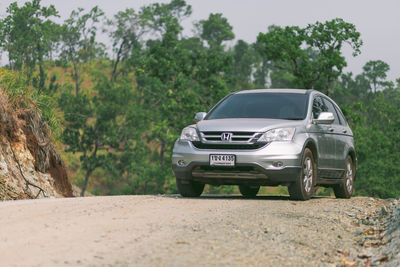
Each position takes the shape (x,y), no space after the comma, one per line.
(303,188)
(189,188)
(346,188)
(249,191)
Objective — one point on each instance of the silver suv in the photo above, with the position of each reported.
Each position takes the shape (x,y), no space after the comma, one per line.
(268,137)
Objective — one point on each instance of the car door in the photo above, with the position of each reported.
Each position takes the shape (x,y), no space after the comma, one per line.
(342,141)
(335,131)
(326,141)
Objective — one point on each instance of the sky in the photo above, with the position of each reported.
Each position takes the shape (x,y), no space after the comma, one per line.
(377,21)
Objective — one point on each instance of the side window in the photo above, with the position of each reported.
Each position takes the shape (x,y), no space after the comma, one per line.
(318,107)
(331,108)
(341,117)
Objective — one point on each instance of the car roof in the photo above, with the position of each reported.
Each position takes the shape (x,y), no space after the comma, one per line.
(290,91)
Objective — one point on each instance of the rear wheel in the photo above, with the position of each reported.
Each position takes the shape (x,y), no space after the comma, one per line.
(188,188)
(303,188)
(249,191)
(346,188)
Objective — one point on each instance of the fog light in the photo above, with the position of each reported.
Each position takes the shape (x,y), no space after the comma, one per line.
(277,164)
(181,163)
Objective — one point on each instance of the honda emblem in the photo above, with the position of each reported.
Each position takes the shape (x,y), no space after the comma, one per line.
(226,137)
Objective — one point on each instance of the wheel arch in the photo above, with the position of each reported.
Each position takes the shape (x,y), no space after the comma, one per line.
(296,189)
(311,144)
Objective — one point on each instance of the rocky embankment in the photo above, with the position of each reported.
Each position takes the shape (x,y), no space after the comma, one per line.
(30,167)
(377,238)
(391,235)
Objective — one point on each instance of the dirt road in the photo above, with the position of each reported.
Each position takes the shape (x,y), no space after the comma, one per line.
(173,231)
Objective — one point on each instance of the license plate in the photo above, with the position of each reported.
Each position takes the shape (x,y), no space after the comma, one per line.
(222,160)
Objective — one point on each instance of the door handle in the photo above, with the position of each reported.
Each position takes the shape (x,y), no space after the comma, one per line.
(330,130)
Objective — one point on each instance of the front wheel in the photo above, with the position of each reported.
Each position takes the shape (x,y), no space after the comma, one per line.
(188,188)
(303,188)
(249,191)
(346,188)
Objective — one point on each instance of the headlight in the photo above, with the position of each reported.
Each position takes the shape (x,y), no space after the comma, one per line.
(280,134)
(189,134)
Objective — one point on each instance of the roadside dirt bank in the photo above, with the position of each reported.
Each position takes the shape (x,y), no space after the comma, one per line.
(207,231)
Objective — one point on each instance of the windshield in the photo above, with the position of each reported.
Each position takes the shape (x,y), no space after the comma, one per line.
(287,106)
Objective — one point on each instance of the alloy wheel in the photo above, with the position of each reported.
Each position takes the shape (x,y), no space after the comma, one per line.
(308,174)
(349,177)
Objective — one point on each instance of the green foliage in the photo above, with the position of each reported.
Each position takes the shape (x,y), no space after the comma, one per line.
(311,54)
(243,60)
(78,35)
(22,96)
(375,71)
(223,189)
(215,30)
(375,125)
(28,34)
(349,90)
(96,123)
(126,31)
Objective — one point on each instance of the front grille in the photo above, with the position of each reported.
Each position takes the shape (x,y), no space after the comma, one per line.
(241,137)
(238,141)
(201,145)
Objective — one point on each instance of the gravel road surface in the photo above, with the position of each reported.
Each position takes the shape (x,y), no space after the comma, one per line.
(173,231)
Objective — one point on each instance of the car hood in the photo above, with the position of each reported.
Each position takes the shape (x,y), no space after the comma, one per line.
(244,125)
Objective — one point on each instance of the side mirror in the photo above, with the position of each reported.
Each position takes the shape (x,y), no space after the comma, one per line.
(200,116)
(324,118)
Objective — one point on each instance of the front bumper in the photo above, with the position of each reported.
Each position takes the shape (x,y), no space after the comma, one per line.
(276,163)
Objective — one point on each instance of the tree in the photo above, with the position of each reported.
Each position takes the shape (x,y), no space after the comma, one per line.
(376,72)
(163,74)
(129,27)
(398,84)
(215,30)
(79,41)
(312,54)
(349,89)
(164,17)
(261,65)
(29,35)
(96,122)
(243,61)
(376,125)
(281,78)
(214,72)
